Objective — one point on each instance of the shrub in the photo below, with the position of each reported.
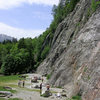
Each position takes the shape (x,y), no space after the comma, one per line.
(48,76)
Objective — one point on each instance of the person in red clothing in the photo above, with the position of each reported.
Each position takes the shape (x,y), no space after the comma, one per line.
(48,87)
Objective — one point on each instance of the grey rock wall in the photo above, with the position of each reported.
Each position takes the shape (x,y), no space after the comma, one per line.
(73,61)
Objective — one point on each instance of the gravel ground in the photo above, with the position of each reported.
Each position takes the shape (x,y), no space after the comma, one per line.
(28,92)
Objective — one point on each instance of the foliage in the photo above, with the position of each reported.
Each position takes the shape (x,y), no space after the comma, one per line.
(48,76)
(45,52)
(93,7)
(44,95)
(75,98)
(15,63)
(60,11)
(25,55)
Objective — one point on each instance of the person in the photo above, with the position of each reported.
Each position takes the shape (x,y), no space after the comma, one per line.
(19,83)
(35,79)
(58,95)
(23,83)
(48,87)
(40,88)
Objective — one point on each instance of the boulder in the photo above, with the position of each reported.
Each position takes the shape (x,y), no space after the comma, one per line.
(34,81)
(37,86)
(5,94)
(23,76)
(7,88)
(63,94)
(39,78)
(47,93)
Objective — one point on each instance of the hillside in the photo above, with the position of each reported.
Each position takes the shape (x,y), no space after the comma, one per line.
(73,61)
(5,37)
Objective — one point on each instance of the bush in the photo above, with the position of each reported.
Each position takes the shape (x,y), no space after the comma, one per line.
(48,76)
(45,52)
(77,97)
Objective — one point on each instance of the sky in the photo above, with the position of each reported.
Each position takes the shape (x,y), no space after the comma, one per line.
(25,18)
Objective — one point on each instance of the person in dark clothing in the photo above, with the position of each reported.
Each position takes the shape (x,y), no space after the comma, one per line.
(23,83)
(40,88)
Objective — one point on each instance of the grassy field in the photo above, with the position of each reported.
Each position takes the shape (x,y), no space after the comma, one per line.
(2,89)
(10,99)
(9,78)
(10,81)
(5,80)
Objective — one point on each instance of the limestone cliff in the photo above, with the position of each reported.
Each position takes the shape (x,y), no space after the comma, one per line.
(74,59)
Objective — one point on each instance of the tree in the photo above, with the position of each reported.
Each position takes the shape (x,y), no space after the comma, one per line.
(21,43)
(45,52)
(7,66)
(16,63)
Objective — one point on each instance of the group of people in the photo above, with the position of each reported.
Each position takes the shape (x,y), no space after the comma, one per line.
(21,83)
(34,79)
(47,86)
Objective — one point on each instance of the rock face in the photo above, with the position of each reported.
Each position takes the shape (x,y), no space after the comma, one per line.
(62,2)
(74,59)
(5,37)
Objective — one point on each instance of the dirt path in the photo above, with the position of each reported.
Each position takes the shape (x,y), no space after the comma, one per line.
(30,93)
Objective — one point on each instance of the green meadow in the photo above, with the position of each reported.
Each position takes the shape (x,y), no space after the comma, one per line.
(6,80)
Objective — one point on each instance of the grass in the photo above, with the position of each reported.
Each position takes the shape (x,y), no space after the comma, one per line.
(14,99)
(10,99)
(2,89)
(59,87)
(8,81)
(75,98)
(27,89)
(3,99)
(54,92)
(8,78)
(44,95)
(35,90)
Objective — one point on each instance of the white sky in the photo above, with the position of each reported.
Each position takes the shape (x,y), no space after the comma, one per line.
(17,32)
(6,4)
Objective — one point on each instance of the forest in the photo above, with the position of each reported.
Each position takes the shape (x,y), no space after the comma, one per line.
(26,54)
